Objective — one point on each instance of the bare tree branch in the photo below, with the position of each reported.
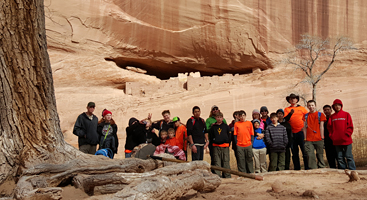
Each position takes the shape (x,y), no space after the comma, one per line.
(308,52)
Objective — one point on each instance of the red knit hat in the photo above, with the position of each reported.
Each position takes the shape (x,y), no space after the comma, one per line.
(106,112)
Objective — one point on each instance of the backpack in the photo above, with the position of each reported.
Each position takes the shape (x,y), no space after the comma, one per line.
(319,117)
(193,122)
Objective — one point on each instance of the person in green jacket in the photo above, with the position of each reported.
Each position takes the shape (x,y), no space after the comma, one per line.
(209,122)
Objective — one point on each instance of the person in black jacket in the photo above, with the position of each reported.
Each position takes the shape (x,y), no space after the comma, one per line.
(197,134)
(330,150)
(139,132)
(107,131)
(284,121)
(130,144)
(86,129)
(220,136)
(276,141)
(165,123)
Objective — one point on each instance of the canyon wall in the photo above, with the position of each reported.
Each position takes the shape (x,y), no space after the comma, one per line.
(91,42)
(213,37)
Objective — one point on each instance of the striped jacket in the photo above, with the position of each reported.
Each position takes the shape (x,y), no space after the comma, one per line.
(276,138)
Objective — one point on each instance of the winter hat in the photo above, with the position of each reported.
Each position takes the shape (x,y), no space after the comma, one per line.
(106,112)
(132,120)
(255,111)
(256,120)
(264,108)
(175,119)
(280,110)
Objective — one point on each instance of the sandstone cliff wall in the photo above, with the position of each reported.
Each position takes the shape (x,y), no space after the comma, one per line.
(214,37)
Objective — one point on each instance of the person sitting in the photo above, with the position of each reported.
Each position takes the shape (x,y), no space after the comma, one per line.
(172,140)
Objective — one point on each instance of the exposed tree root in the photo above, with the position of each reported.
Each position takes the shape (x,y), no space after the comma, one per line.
(130,178)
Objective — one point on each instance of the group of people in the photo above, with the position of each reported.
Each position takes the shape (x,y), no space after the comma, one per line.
(91,132)
(280,135)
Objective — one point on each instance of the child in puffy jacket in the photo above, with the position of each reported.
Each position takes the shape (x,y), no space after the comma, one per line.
(259,148)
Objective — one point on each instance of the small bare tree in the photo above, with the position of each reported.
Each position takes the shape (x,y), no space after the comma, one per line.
(315,56)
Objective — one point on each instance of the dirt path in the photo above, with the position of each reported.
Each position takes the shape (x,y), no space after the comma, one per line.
(329,185)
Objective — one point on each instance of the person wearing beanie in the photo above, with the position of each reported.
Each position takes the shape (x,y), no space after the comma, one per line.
(259,148)
(85,128)
(107,131)
(256,115)
(284,122)
(340,126)
(297,124)
(264,115)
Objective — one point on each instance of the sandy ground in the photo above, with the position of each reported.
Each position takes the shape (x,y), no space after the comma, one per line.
(329,185)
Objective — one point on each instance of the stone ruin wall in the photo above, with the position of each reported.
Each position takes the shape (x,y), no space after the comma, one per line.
(182,83)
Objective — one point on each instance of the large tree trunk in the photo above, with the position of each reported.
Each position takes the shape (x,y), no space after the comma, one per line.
(30,130)
(32,146)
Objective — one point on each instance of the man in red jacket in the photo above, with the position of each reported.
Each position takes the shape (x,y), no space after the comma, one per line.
(340,128)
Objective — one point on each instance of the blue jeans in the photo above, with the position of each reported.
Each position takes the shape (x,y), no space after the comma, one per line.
(128,155)
(298,140)
(199,155)
(345,152)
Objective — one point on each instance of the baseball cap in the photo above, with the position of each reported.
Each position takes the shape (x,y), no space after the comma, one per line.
(175,119)
(91,104)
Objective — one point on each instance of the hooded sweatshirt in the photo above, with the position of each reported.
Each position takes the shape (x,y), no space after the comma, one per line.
(340,126)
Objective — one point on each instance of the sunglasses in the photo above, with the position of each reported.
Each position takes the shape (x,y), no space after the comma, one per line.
(214,109)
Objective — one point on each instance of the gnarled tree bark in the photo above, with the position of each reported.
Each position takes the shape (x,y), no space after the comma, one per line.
(32,147)
(29,127)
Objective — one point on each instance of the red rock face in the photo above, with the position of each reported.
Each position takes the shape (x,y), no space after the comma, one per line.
(167,37)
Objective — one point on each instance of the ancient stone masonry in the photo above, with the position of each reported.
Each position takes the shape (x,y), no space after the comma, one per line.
(183,82)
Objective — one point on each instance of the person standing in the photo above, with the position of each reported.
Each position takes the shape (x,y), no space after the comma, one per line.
(85,128)
(340,127)
(329,147)
(107,130)
(244,138)
(264,115)
(197,134)
(296,123)
(314,136)
(209,123)
(221,139)
(276,141)
(284,122)
(236,118)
